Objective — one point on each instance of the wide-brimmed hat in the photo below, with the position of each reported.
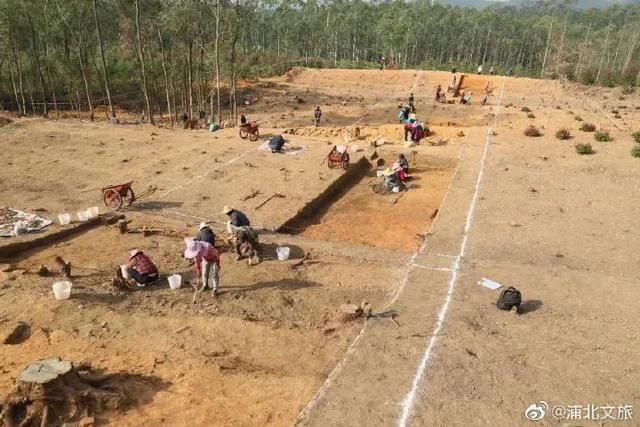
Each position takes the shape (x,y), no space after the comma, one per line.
(387,172)
(193,247)
(202,225)
(227,209)
(134,253)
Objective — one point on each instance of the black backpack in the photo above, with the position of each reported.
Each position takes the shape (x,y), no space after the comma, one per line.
(509,298)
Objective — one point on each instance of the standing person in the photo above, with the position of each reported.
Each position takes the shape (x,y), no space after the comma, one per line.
(383,63)
(317,115)
(411,103)
(141,268)
(492,71)
(206,234)
(206,262)
(243,120)
(480,69)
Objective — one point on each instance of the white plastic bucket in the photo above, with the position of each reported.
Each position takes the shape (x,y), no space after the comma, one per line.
(93,211)
(125,273)
(175,281)
(61,290)
(283,253)
(64,218)
(82,216)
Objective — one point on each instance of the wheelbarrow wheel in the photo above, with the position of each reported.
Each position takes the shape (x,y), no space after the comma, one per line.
(112,199)
(130,197)
(243,133)
(253,136)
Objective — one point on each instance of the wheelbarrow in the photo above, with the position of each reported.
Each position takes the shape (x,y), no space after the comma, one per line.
(249,130)
(114,196)
(337,159)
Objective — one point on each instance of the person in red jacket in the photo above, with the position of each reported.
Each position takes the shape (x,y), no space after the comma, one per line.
(141,268)
(206,262)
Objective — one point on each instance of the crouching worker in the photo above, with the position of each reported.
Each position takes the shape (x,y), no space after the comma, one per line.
(140,268)
(243,238)
(205,234)
(391,179)
(206,262)
(276,143)
(401,168)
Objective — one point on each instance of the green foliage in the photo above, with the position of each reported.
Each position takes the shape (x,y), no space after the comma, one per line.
(584,149)
(635,151)
(578,118)
(563,134)
(525,109)
(602,136)
(531,116)
(532,131)
(588,127)
(636,136)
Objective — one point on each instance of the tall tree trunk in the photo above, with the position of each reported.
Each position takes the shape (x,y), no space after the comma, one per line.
(190,78)
(87,89)
(15,88)
(38,66)
(52,86)
(166,78)
(217,57)
(20,81)
(145,89)
(105,74)
(584,47)
(604,52)
(631,50)
(546,49)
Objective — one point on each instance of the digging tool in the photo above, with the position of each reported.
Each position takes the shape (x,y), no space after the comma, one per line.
(273,196)
(394,201)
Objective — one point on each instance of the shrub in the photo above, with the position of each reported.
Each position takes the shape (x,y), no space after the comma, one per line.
(584,149)
(617,116)
(627,90)
(531,116)
(615,112)
(525,110)
(578,118)
(588,127)
(636,136)
(602,136)
(563,134)
(635,152)
(532,131)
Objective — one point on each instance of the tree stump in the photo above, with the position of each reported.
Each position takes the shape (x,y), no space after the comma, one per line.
(52,392)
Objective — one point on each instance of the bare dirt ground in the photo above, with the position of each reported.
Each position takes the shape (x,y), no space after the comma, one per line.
(557,225)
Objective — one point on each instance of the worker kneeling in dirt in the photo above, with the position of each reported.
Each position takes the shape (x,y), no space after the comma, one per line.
(391,179)
(244,238)
(205,234)
(276,143)
(141,268)
(206,262)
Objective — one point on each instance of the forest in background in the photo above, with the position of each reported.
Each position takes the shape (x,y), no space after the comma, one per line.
(163,57)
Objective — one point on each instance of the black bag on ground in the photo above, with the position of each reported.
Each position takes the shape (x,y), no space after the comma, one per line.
(276,143)
(509,298)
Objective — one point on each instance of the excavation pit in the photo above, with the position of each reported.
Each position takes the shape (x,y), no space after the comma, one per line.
(349,210)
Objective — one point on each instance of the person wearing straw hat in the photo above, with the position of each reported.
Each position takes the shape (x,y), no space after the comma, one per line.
(206,262)
(391,179)
(236,218)
(140,268)
(206,234)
